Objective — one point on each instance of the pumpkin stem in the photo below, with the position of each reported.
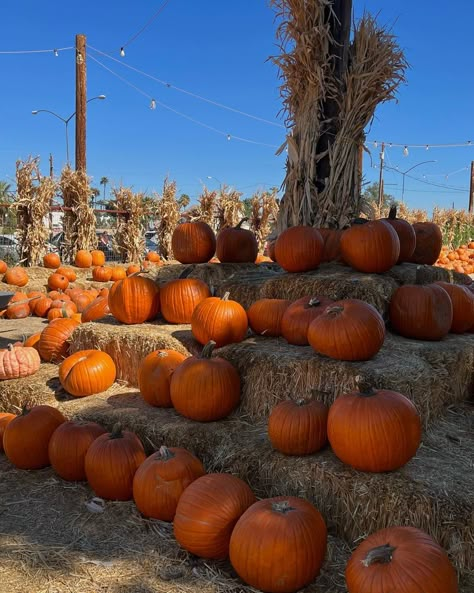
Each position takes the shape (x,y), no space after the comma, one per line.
(393,212)
(116,432)
(382,554)
(25,410)
(226,296)
(282,507)
(420,276)
(208,349)
(300,402)
(162,354)
(185,273)
(314,302)
(334,310)
(165,454)
(360,221)
(10,347)
(239,225)
(365,387)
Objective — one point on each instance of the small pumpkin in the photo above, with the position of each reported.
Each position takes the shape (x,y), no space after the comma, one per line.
(41,306)
(298,427)
(204,388)
(3,266)
(161,480)
(299,249)
(370,246)
(134,300)
(111,462)
(5,419)
(193,243)
(406,234)
(51,260)
(82,300)
(236,245)
(207,512)
(279,544)
(61,309)
(154,376)
(16,276)
(463,306)
(298,316)
(87,372)
(348,330)
(219,319)
(98,257)
(180,297)
(32,341)
(53,344)
(17,362)
(102,274)
(400,559)
(57,282)
(83,259)
(68,272)
(133,269)
(96,309)
(265,316)
(359,419)
(118,273)
(19,306)
(68,447)
(26,437)
(429,241)
(153,256)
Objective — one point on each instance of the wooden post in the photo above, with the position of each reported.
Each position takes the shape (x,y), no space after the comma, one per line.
(81,102)
(471,190)
(51,174)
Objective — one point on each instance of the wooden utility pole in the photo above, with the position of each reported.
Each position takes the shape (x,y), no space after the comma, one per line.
(471,190)
(81,102)
(382,162)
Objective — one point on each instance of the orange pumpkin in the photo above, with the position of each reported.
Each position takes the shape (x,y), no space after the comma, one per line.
(236,245)
(207,512)
(98,257)
(16,276)
(219,319)
(299,249)
(133,269)
(406,234)
(5,419)
(153,256)
(16,362)
(204,388)
(19,306)
(279,544)
(298,316)
(41,307)
(3,267)
(370,246)
(51,260)
(102,274)
(429,241)
(193,243)
(83,259)
(161,480)
(265,316)
(87,372)
(332,244)
(53,344)
(97,309)
(68,447)
(118,273)
(180,297)
(26,437)
(68,272)
(57,282)
(154,376)
(32,341)
(348,330)
(134,300)
(463,306)
(61,309)
(82,300)
(111,462)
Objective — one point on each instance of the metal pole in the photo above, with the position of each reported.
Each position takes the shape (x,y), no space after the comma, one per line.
(382,161)
(67,142)
(403,186)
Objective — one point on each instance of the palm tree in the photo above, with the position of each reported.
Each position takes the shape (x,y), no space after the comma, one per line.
(5,191)
(104,181)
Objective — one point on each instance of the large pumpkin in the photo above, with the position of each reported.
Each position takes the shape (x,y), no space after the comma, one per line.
(180,297)
(400,559)
(298,427)
(5,419)
(463,306)
(332,244)
(298,316)
(265,316)
(204,388)
(374,430)
(111,462)
(193,243)
(370,246)
(429,241)
(161,480)
(97,309)
(421,312)
(348,330)
(51,260)
(278,545)
(16,362)
(53,344)
(16,276)
(26,438)
(87,372)
(299,249)
(154,376)
(406,235)
(236,245)
(83,259)
(207,512)
(219,319)
(134,300)
(68,447)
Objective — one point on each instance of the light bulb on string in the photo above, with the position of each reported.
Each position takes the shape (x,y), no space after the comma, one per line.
(153,104)
(376,144)
(56,53)
(427,147)
(122,52)
(228,136)
(405,151)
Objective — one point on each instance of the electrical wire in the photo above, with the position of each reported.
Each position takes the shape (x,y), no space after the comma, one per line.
(36,51)
(147,24)
(459,189)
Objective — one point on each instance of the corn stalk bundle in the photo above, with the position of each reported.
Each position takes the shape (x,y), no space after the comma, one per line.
(129,238)
(34,197)
(229,207)
(207,208)
(263,217)
(79,221)
(168,214)
(330,91)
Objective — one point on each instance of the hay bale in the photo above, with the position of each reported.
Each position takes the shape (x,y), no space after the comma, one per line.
(13,330)
(41,388)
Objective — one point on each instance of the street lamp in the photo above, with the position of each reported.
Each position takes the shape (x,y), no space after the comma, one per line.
(215,179)
(411,169)
(65,120)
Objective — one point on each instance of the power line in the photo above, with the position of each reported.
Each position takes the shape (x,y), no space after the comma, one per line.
(147,24)
(54,51)
(459,189)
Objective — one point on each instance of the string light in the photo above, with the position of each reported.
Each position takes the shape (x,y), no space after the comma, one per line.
(405,151)
(425,146)
(228,136)
(56,53)
(122,52)
(153,104)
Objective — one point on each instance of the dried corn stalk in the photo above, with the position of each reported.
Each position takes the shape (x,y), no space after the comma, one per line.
(167,210)
(264,214)
(207,207)
(34,197)
(129,238)
(229,207)
(79,221)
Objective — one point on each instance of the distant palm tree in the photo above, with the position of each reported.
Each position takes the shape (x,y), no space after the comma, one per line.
(5,191)
(104,181)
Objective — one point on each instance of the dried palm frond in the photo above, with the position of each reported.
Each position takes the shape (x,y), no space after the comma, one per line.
(263,217)
(79,221)
(168,214)
(34,197)
(229,207)
(129,239)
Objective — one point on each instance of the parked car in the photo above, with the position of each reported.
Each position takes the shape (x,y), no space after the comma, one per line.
(9,249)
(58,241)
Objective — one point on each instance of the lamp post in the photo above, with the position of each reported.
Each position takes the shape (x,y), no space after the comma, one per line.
(65,120)
(215,179)
(411,169)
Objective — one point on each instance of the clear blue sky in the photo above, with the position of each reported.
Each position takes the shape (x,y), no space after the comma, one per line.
(219,50)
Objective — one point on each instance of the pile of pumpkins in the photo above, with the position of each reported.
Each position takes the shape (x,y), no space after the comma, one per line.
(460,260)
(277,545)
